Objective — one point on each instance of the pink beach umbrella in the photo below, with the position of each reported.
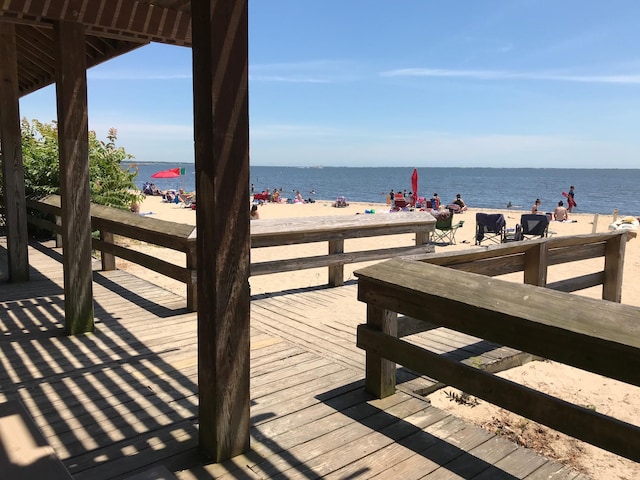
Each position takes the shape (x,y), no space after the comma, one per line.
(414,186)
(170,173)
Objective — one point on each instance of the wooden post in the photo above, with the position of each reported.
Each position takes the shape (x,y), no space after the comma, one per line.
(535,264)
(58,236)
(12,166)
(192,284)
(613,266)
(422,238)
(73,142)
(336,272)
(108,259)
(221,129)
(380,379)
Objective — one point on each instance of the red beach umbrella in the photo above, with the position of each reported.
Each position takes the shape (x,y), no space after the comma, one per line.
(414,186)
(171,173)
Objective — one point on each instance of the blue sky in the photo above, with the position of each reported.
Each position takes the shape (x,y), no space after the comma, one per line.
(485,83)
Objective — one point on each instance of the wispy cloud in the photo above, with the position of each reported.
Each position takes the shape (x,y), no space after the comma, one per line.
(285,131)
(320,71)
(160,132)
(134,75)
(630,79)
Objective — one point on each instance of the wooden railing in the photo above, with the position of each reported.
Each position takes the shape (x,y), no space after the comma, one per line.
(590,334)
(264,233)
(112,221)
(334,230)
(534,257)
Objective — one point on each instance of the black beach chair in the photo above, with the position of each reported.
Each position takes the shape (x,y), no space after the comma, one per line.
(490,227)
(534,225)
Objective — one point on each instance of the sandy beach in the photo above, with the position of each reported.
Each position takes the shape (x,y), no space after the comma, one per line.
(606,396)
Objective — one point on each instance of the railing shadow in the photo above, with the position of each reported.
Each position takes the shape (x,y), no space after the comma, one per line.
(293,291)
(436,450)
(121,390)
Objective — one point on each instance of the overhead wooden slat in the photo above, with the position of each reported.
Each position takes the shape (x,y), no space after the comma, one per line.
(112,27)
(36,41)
(115,18)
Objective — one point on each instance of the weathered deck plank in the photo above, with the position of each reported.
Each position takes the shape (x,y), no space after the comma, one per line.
(124,399)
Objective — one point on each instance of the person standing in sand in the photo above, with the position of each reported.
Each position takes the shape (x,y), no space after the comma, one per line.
(571,202)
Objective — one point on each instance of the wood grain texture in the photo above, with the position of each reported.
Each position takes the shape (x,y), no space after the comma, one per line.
(125,399)
(73,143)
(221,131)
(15,211)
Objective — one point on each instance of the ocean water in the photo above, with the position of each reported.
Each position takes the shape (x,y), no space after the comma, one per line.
(597,190)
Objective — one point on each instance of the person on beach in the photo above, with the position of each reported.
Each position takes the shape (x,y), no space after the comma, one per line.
(390,197)
(536,206)
(435,202)
(571,202)
(169,196)
(186,197)
(560,213)
(254,215)
(460,202)
(298,198)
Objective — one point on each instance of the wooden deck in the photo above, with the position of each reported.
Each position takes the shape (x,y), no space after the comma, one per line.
(123,401)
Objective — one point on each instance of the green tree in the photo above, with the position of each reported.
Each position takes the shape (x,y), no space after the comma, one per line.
(110,183)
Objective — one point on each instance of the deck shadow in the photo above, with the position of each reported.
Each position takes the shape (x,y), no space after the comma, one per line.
(292,291)
(434,449)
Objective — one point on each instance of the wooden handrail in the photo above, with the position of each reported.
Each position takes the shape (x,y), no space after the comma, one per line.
(264,233)
(112,221)
(594,335)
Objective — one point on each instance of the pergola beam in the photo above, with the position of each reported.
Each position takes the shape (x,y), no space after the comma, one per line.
(135,21)
(221,129)
(12,166)
(73,143)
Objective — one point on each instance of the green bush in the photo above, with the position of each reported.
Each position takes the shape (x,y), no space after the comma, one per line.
(110,184)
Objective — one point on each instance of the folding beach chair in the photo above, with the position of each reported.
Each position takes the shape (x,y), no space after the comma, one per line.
(534,225)
(490,227)
(445,231)
(399,201)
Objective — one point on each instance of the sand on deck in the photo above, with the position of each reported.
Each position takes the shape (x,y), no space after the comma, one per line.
(606,396)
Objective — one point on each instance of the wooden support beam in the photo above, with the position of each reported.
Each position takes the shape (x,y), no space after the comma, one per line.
(12,166)
(535,265)
(380,378)
(73,142)
(613,267)
(221,129)
(336,272)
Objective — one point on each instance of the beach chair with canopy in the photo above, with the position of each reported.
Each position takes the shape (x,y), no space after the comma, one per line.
(399,201)
(534,225)
(490,227)
(445,231)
